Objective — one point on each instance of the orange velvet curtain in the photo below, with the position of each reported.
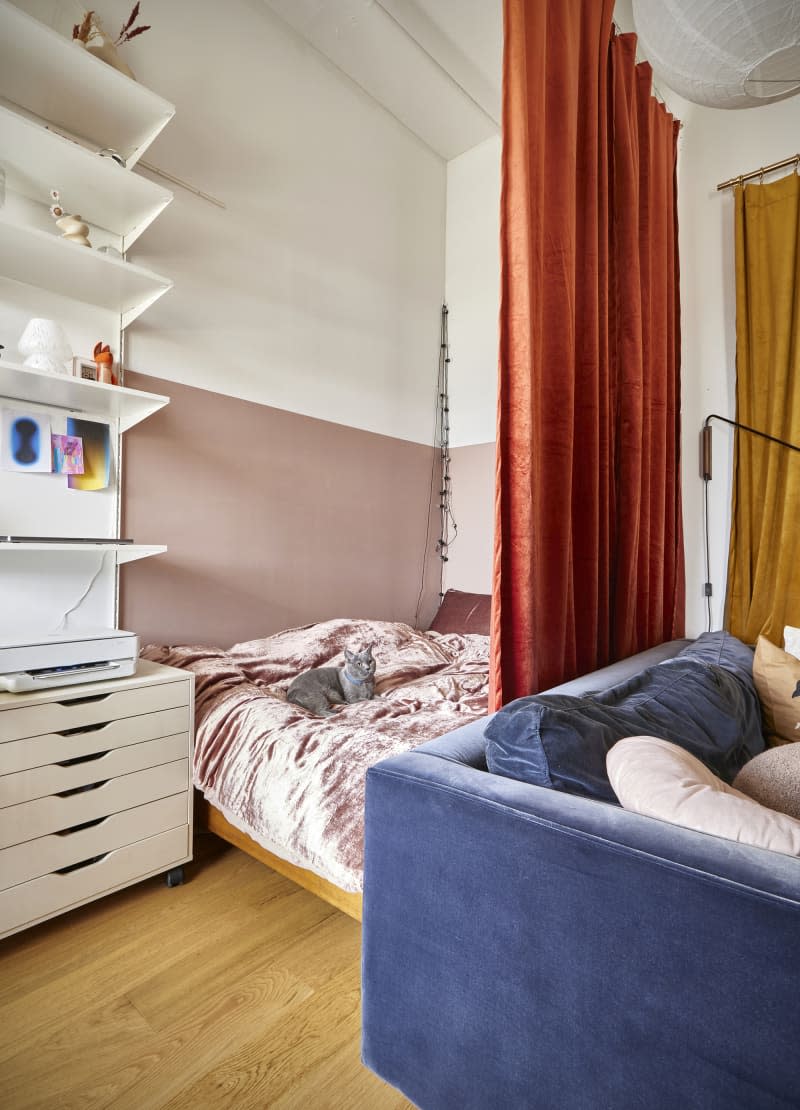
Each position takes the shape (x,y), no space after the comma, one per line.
(588,542)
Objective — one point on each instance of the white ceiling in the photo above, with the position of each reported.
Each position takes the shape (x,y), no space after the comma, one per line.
(434,64)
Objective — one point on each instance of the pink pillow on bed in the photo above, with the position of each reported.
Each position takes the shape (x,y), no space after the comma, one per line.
(463,612)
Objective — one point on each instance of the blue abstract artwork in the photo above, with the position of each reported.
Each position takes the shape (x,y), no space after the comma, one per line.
(25,442)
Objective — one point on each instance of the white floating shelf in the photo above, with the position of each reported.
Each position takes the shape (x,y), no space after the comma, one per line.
(61,391)
(126,552)
(46,260)
(37,160)
(48,75)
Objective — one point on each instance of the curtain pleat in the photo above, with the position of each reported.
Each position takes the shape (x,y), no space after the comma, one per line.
(588,548)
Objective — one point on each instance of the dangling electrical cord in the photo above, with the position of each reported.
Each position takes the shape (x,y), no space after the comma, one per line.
(441,439)
(707,587)
(447,520)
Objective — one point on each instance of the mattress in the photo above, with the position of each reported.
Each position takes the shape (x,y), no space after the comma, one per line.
(295,782)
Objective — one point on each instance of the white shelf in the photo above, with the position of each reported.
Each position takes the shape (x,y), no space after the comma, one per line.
(48,75)
(126,552)
(46,260)
(37,160)
(61,391)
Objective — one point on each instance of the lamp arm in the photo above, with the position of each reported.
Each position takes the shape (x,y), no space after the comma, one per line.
(706,434)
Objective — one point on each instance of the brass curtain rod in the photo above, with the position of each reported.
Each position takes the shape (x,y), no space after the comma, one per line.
(794,160)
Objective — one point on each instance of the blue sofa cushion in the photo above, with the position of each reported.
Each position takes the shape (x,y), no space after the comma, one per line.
(703,699)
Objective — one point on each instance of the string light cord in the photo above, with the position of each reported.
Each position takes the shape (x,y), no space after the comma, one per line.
(441,455)
(448,528)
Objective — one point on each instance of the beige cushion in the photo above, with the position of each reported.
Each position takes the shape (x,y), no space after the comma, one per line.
(659,779)
(773,779)
(777,677)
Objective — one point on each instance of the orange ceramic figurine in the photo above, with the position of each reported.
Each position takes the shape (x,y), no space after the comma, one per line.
(104,361)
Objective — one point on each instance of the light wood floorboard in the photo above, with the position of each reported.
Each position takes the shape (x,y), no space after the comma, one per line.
(237,989)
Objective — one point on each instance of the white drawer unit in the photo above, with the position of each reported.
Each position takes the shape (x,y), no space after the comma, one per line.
(95,790)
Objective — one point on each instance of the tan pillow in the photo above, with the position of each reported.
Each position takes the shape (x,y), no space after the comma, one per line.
(773,779)
(659,779)
(777,678)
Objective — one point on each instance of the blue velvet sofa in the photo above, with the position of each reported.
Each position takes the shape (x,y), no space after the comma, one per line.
(527,948)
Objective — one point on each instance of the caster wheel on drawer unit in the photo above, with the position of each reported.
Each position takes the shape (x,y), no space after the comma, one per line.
(174,877)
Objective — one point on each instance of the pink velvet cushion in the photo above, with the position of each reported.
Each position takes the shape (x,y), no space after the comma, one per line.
(463,612)
(658,779)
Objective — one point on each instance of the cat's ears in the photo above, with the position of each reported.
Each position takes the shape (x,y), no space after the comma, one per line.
(350,656)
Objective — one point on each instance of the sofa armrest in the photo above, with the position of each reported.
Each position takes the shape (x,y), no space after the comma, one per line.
(527,948)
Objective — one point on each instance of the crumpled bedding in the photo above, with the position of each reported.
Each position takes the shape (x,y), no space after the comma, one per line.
(295,782)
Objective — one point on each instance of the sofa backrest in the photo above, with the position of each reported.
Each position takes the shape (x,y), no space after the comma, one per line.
(607,677)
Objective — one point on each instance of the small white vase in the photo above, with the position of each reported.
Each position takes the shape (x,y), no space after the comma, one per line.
(103,48)
(74,229)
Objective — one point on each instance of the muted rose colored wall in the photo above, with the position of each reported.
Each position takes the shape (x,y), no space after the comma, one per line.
(272,520)
(472,472)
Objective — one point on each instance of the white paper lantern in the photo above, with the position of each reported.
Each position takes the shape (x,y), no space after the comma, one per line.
(723,53)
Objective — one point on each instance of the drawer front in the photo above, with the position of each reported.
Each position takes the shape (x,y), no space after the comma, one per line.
(60,716)
(53,747)
(39,782)
(30,820)
(49,853)
(49,894)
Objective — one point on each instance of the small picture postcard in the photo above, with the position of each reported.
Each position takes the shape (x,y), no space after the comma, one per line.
(67,454)
(96,439)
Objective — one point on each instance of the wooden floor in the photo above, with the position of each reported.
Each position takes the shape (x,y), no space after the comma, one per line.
(237,989)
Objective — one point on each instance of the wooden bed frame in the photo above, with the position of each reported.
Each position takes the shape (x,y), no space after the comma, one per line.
(459,612)
(210,818)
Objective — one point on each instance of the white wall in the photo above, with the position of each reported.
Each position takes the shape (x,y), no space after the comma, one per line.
(318,289)
(717,145)
(473,298)
(473,291)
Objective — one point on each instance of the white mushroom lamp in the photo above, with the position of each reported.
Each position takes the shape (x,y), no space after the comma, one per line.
(44,346)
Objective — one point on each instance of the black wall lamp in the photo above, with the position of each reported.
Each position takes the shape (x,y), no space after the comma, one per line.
(706,463)
(706,475)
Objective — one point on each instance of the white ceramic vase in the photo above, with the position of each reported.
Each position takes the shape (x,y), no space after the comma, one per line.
(74,229)
(103,48)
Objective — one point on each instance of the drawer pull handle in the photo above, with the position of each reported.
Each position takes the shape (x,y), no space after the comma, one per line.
(85,701)
(81,789)
(81,827)
(81,759)
(83,863)
(83,728)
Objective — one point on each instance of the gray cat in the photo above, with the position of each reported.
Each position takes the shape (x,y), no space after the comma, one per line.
(322,687)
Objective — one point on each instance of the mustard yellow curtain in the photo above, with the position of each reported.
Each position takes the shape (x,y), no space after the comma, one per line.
(764,557)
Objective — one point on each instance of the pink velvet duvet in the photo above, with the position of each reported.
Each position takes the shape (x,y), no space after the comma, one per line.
(295,782)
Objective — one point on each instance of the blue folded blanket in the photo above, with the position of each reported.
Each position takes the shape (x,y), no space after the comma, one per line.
(702,699)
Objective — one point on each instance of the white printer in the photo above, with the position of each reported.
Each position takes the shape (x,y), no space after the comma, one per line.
(41,662)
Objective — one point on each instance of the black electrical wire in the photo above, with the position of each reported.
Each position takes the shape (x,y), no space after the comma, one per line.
(441,440)
(708,556)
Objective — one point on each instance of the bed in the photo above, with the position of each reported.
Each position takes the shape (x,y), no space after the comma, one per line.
(288,787)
